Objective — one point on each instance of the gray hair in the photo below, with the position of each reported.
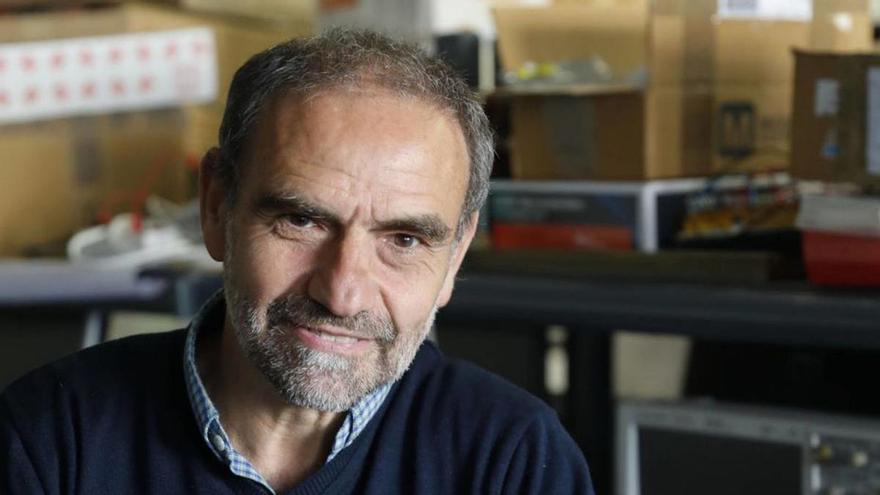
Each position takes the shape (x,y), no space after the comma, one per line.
(346,58)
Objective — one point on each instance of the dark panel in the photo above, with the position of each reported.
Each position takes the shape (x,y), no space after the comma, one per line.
(678,463)
(29,339)
(516,354)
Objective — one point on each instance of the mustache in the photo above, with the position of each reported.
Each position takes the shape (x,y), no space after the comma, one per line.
(300,310)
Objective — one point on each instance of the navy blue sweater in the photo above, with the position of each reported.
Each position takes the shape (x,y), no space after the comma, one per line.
(116,419)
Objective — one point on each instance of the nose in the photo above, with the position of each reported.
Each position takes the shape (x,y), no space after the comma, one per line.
(341,281)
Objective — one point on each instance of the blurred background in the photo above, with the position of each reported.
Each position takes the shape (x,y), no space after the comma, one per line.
(680,252)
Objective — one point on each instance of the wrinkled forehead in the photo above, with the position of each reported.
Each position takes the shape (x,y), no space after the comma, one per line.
(371,135)
(364,86)
(289,111)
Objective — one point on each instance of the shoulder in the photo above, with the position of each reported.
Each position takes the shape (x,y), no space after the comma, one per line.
(103,373)
(67,415)
(465,387)
(108,362)
(495,434)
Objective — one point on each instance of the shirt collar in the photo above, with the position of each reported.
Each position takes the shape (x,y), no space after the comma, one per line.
(210,318)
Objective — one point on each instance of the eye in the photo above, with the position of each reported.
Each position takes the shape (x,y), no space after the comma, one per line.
(299,221)
(405,241)
(296,226)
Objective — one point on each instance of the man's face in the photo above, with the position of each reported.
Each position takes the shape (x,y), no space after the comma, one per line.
(341,243)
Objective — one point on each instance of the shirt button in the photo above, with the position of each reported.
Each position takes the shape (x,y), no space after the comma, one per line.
(217,440)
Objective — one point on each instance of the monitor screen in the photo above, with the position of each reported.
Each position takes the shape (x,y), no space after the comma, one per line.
(687,463)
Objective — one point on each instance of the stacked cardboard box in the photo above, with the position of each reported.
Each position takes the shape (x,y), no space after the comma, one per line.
(836,129)
(754,68)
(700,90)
(296,14)
(59,174)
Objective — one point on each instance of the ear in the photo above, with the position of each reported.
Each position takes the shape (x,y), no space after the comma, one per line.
(457,257)
(212,208)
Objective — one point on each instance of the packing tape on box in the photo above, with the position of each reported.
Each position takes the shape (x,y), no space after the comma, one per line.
(768,10)
(104,74)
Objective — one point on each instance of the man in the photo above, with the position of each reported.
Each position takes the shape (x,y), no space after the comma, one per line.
(341,200)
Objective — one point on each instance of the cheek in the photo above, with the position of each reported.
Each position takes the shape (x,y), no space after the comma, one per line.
(267,269)
(411,298)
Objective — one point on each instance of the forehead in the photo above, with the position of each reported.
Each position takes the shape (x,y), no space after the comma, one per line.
(358,142)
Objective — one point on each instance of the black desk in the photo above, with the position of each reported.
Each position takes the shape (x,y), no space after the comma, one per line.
(789,314)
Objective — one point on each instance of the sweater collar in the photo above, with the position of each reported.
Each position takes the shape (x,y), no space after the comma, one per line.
(210,319)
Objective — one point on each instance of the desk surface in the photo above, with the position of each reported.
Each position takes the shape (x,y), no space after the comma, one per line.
(790,313)
(55,282)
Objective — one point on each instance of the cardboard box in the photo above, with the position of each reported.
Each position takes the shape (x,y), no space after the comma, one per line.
(60,175)
(586,131)
(676,131)
(297,14)
(36,204)
(754,70)
(751,117)
(562,32)
(836,131)
(12,6)
(659,126)
(558,136)
(710,84)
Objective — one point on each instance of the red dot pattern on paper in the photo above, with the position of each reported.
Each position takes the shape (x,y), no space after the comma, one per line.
(58,60)
(115,56)
(61,92)
(31,95)
(86,57)
(44,79)
(118,87)
(145,85)
(88,90)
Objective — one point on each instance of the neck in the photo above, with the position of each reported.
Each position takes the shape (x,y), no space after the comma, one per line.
(284,443)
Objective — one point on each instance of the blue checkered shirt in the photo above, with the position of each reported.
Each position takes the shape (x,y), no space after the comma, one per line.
(208,418)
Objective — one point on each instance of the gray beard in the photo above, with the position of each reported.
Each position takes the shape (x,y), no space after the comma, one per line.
(312,379)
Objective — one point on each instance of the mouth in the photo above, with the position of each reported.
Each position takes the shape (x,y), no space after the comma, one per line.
(330,341)
(333,337)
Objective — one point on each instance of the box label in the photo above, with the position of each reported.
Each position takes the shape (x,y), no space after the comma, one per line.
(560,207)
(872,131)
(827,101)
(769,10)
(104,74)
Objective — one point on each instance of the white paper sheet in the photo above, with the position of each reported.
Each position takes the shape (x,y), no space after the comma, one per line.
(94,75)
(872,131)
(827,99)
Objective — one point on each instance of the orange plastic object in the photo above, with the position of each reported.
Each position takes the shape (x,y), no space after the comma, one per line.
(842,259)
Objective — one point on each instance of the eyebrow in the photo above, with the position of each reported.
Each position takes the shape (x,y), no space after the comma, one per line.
(277,203)
(428,226)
